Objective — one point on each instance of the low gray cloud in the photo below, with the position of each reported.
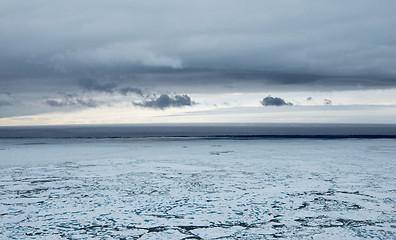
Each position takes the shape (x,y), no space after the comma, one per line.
(107,87)
(166,101)
(327,102)
(72,100)
(126,90)
(309,98)
(8,99)
(275,101)
(4,103)
(91,85)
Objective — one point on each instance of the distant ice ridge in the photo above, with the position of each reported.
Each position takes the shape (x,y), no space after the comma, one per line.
(200,189)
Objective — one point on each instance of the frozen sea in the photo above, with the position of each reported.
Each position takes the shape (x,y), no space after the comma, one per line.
(197,188)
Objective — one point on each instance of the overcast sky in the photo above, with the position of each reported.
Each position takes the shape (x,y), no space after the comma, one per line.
(97,61)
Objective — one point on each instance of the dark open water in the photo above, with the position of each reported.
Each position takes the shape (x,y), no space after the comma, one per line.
(244,131)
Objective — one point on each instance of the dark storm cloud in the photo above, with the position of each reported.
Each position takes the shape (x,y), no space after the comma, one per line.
(166,101)
(274,101)
(72,100)
(126,90)
(91,85)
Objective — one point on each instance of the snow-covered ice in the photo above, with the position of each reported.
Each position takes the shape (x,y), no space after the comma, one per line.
(197,189)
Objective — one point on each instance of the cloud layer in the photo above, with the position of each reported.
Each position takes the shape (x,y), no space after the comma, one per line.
(129,50)
(303,43)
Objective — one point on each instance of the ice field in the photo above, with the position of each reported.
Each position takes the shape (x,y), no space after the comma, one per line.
(197,189)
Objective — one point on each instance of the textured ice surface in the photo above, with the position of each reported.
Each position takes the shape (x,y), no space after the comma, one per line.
(201,189)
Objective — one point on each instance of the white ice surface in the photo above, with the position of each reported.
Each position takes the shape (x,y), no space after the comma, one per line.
(201,189)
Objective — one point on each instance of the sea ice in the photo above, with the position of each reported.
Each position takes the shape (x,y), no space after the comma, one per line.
(197,189)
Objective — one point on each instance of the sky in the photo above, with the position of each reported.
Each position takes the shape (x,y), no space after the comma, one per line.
(258,61)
